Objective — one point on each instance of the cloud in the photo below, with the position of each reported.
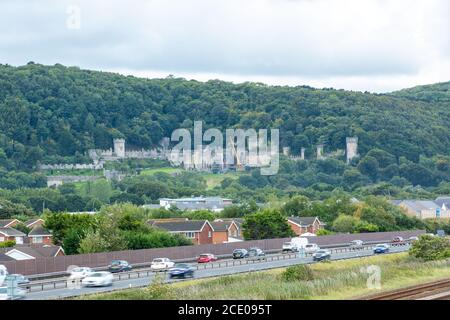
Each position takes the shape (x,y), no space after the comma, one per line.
(345,44)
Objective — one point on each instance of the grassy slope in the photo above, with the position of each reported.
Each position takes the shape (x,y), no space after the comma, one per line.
(335,280)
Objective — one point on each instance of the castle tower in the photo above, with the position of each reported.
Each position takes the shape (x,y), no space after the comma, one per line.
(119,148)
(352,148)
(319,152)
(302,153)
(286,151)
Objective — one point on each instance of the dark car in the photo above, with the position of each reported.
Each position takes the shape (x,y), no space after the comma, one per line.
(381,248)
(397,240)
(119,266)
(256,254)
(321,255)
(240,254)
(181,270)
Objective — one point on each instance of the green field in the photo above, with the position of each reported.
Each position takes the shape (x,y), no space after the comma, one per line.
(343,279)
(169,170)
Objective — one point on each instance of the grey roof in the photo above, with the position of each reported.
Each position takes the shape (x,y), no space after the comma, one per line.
(180,226)
(419,205)
(198,203)
(5,222)
(221,225)
(44,251)
(303,221)
(39,231)
(4,258)
(31,221)
(11,232)
(237,221)
(395,202)
(440,201)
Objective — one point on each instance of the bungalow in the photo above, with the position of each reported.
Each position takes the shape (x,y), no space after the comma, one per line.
(5,223)
(224,231)
(9,234)
(34,223)
(40,235)
(32,253)
(199,231)
(301,225)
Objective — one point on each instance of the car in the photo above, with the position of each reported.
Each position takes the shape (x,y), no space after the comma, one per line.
(311,248)
(181,270)
(413,238)
(356,243)
(119,266)
(240,253)
(206,257)
(321,255)
(397,240)
(21,279)
(79,273)
(381,248)
(256,254)
(98,279)
(161,264)
(19,293)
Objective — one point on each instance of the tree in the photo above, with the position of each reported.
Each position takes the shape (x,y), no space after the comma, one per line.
(9,210)
(296,206)
(345,223)
(93,242)
(200,215)
(430,248)
(266,224)
(369,166)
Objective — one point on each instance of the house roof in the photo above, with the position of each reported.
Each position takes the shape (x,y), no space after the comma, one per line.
(222,225)
(237,221)
(39,231)
(440,201)
(303,221)
(11,232)
(4,258)
(181,226)
(30,222)
(44,251)
(419,205)
(6,222)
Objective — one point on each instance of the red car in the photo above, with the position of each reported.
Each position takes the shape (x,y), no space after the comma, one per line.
(207,257)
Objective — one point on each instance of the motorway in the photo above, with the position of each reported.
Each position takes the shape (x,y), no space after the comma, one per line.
(65,292)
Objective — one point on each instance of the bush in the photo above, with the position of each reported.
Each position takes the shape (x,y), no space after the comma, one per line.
(430,248)
(300,272)
(8,244)
(158,290)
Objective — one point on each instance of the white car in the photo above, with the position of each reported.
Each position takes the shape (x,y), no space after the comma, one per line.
(161,264)
(98,279)
(80,273)
(311,248)
(19,293)
(356,243)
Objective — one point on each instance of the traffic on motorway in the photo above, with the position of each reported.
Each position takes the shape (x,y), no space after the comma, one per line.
(86,279)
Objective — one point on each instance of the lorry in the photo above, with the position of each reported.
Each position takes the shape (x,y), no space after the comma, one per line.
(295,245)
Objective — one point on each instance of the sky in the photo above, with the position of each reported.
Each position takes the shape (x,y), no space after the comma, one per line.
(363,45)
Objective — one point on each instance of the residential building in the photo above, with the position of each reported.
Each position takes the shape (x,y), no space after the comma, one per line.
(5,223)
(234,234)
(215,204)
(11,234)
(423,209)
(34,252)
(32,223)
(301,225)
(224,231)
(199,231)
(40,235)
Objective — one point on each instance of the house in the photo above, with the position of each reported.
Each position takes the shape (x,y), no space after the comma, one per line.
(223,231)
(423,209)
(215,204)
(234,235)
(443,202)
(34,223)
(301,225)
(11,234)
(5,223)
(40,235)
(35,252)
(199,231)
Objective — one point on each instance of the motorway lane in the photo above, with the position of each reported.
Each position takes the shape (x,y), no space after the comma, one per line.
(203,273)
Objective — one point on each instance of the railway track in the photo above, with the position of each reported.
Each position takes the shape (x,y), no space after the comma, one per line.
(437,290)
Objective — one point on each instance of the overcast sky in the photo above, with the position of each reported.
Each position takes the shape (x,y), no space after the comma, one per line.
(373,45)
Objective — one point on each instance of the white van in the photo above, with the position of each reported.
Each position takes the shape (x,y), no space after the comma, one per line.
(311,248)
(295,244)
